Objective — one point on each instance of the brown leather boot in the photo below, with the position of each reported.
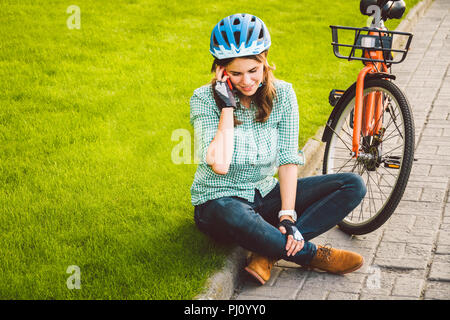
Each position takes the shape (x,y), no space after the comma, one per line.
(260,267)
(336,260)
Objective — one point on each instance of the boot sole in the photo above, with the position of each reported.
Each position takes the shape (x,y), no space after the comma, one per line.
(340,273)
(354,268)
(255,275)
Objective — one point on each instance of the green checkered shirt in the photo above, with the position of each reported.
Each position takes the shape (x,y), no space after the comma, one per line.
(259,148)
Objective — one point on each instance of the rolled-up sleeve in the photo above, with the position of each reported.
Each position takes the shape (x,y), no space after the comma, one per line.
(288,151)
(205,121)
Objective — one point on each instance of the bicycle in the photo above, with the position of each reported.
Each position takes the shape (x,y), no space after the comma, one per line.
(371,128)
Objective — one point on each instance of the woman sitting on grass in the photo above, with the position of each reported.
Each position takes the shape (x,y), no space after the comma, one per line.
(247,125)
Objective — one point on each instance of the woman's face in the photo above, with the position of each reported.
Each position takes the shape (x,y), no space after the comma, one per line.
(245,75)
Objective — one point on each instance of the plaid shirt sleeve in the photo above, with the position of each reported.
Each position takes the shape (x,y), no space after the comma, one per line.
(288,152)
(205,120)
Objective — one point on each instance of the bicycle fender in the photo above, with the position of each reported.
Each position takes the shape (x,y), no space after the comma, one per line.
(337,109)
(379,75)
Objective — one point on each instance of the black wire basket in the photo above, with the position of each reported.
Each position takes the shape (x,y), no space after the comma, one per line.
(377,40)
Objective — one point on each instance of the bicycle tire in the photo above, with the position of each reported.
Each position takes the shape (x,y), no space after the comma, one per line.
(391,94)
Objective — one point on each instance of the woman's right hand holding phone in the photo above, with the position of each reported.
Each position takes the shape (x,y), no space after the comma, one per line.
(223,89)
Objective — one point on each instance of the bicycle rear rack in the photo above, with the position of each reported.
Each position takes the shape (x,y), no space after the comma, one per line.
(379,40)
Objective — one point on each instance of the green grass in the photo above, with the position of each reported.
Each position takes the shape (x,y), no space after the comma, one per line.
(86,120)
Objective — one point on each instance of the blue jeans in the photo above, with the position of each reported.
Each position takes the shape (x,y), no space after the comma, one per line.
(321,203)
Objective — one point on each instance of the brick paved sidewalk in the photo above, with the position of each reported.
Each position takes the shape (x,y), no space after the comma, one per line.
(409,257)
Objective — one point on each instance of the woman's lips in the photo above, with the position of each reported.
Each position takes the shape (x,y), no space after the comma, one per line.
(247,88)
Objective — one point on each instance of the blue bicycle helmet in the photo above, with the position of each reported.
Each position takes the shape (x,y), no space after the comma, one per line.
(239,35)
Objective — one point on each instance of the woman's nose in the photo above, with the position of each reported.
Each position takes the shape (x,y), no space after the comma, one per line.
(246,79)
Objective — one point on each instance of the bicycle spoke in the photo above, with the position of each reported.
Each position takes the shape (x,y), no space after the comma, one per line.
(369,190)
(389,138)
(383,178)
(361,213)
(356,164)
(381,191)
(388,172)
(391,133)
(341,167)
(349,135)
(397,125)
(392,150)
(393,117)
(340,138)
(339,148)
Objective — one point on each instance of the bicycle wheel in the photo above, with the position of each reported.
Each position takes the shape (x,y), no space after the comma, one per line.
(385,161)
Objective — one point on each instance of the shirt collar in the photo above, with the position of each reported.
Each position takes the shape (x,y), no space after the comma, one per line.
(239,106)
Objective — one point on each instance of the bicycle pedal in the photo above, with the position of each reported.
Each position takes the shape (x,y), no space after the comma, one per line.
(392,162)
(334,96)
(391,165)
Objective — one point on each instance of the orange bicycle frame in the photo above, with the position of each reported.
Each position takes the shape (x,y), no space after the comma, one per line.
(372,104)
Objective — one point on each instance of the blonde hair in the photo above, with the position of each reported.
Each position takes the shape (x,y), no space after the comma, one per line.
(263,97)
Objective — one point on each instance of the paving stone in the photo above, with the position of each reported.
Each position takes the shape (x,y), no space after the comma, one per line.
(405,286)
(443,240)
(413,182)
(343,296)
(442,248)
(432,158)
(312,294)
(425,222)
(424,149)
(378,282)
(432,182)
(420,208)
(291,278)
(437,290)
(368,296)
(282,293)
(401,222)
(418,251)
(435,132)
(412,194)
(244,296)
(344,283)
(447,210)
(440,268)
(338,239)
(432,140)
(433,195)
(401,264)
(415,236)
(438,170)
(443,237)
(391,249)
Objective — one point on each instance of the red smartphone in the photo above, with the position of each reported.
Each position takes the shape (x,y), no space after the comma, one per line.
(228,80)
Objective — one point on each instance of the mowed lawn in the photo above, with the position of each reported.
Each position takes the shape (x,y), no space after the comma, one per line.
(87,176)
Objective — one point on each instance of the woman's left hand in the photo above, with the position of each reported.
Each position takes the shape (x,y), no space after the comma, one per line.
(295,240)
